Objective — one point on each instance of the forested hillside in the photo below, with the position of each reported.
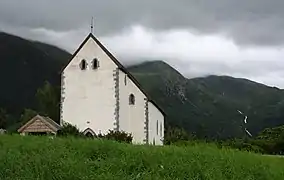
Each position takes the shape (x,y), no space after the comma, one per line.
(206,106)
(209,105)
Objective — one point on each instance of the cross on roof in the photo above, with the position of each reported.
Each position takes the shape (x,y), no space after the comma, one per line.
(92,25)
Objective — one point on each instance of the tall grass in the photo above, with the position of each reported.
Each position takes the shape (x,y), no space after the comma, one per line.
(44,158)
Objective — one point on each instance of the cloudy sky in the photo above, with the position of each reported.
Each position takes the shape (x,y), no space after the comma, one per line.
(241,38)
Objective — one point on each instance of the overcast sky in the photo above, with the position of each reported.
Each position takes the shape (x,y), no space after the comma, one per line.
(241,38)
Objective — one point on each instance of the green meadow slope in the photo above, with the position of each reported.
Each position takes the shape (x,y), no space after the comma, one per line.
(45,158)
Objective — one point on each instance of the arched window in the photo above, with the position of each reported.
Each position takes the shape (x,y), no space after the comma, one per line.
(131,99)
(157,126)
(89,134)
(95,63)
(83,64)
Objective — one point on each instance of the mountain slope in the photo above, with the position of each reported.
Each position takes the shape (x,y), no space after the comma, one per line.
(24,68)
(58,55)
(207,106)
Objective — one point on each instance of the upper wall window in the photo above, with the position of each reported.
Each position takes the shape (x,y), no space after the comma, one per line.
(95,63)
(131,99)
(83,64)
(125,79)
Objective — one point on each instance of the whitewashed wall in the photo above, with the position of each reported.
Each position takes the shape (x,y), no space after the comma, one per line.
(154,116)
(89,94)
(89,101)
(132,117)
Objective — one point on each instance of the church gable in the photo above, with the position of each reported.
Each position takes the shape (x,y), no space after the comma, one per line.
(93,51)
(90,56)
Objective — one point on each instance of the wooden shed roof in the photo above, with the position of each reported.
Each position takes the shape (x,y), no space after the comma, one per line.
(46,120)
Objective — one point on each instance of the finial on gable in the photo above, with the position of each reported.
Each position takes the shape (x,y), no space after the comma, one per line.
(92,25)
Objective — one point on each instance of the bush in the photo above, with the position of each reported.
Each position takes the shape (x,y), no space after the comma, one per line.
(177,136)
(69,130)
(243,145)
(119,136)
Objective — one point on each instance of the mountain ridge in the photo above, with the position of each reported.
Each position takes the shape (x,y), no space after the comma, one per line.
(207,106)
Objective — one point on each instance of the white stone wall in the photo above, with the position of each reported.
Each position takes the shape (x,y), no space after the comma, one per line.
(155,134)
(88,98)
(88,95)
(131,117)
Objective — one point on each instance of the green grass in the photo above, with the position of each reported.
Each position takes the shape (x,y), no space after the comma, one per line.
(43,158)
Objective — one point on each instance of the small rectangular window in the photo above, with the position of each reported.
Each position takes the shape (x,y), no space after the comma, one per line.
(125,80)
(161,130)
(157,127)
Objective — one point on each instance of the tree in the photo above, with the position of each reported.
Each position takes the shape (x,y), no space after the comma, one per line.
(3,118)
(27,115)
(48,101)
(271,134)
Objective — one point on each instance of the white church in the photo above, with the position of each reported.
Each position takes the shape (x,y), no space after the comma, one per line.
(99,94)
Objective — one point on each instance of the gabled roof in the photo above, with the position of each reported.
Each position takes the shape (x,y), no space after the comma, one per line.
(119,65)
(53,123)
(49,122)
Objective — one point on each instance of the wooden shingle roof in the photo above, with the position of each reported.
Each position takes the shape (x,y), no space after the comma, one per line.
(46,120)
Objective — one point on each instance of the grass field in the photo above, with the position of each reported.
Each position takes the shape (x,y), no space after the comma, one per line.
(44,158)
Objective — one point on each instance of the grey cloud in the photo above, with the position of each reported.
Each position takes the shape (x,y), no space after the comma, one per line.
(248,22)
(196,56)
(260,72)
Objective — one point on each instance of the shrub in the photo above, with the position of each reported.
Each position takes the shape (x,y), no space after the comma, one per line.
(69,130)
(177,136)
(243,145)
(119,136)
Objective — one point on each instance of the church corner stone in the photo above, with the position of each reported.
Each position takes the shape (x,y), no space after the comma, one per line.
(116,94)
(146,124)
